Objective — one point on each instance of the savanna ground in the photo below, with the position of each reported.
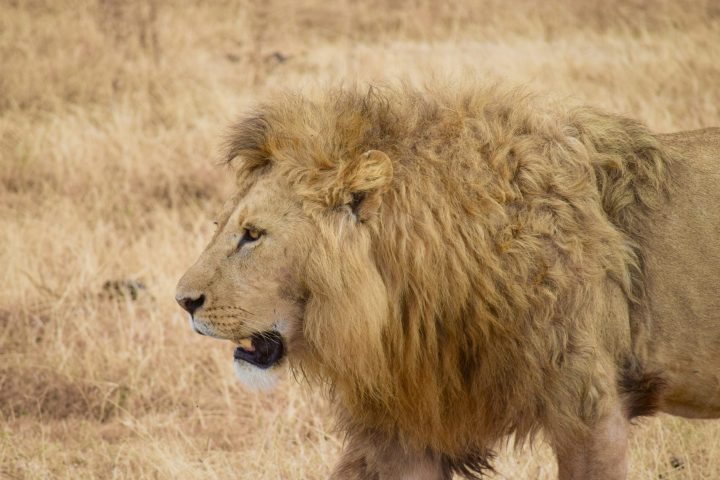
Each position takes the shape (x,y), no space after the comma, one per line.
(111,118)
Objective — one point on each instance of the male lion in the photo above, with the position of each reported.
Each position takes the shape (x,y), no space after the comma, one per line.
(462,265)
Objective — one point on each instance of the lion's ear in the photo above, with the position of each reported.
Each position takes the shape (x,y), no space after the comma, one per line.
(365,179)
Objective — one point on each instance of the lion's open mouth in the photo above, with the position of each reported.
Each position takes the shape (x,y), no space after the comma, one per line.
(261,349)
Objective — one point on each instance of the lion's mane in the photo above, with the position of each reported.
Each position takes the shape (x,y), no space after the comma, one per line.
(460,312)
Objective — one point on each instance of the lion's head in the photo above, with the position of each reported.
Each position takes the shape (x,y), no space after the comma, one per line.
(289,275)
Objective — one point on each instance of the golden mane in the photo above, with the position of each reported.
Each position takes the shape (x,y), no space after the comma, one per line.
(501,217)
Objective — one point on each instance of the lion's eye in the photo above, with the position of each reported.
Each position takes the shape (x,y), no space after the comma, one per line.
(250,235)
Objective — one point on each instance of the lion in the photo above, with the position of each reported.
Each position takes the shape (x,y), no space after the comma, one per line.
(460,265)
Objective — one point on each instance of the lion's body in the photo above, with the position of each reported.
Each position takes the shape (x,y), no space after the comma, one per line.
(681,316)
(515,268)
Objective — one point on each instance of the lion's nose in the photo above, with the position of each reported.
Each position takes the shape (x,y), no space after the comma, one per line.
(190,304)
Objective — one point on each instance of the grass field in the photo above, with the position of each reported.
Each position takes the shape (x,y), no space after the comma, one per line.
(111,117)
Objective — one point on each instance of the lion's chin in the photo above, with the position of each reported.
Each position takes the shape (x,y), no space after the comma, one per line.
(258,359)
(254,378)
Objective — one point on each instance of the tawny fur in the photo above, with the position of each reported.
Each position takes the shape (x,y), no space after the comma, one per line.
(458,264)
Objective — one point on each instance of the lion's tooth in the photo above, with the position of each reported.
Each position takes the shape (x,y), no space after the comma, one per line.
(246,344)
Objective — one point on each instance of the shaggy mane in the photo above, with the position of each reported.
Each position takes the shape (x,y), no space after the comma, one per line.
(503,216)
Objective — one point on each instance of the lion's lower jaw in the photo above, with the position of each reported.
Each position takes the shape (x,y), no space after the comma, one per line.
(254,378)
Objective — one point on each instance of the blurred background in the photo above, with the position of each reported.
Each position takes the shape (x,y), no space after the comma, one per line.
(112,115)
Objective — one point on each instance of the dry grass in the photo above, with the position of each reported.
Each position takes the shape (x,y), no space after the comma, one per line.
(110,115)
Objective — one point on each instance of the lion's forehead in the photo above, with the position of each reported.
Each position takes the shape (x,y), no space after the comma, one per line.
(270,198)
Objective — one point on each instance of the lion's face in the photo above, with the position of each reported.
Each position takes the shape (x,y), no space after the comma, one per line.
(291,273)
(244,287)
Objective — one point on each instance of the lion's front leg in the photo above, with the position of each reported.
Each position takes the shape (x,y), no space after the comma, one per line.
(375,457)
(602,455)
